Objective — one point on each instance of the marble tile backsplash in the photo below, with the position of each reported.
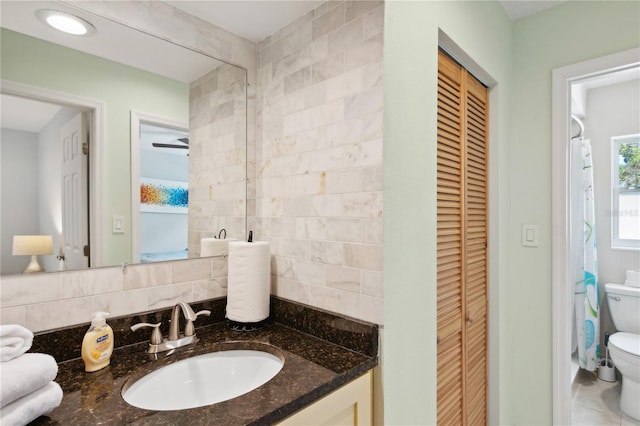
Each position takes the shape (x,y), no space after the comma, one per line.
(218,155)
(59,299)
(319,145)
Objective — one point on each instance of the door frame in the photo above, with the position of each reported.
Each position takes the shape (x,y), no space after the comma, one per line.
(138,118)
(562,79)
(96,117)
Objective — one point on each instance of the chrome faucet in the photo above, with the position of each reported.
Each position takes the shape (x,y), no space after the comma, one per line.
(174,327)
(175,339)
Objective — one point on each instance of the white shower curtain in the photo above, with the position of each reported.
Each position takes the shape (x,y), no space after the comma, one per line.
(584,256)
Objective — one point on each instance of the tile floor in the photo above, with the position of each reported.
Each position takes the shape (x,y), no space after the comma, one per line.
(596,402)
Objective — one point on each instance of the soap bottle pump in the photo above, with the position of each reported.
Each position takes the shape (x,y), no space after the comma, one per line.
(97,344)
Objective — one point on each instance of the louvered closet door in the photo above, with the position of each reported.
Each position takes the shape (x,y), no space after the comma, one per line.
(450,207)
(462,246)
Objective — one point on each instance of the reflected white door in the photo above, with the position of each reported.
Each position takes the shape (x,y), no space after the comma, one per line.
(75,206)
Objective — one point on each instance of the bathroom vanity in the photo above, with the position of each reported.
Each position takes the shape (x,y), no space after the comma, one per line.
(326,374)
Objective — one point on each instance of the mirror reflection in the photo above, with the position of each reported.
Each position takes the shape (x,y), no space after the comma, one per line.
(157,118)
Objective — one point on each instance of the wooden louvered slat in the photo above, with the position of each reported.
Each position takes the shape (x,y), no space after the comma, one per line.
(462,246)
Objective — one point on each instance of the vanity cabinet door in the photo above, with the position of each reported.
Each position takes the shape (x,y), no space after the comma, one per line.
(349,405)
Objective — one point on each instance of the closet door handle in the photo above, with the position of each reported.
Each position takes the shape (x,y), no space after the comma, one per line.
(468,318)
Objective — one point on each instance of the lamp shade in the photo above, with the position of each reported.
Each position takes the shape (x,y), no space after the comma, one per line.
(32,245)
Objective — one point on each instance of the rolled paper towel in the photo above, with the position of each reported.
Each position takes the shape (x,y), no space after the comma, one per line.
(249,281)
(214,246)
(633,279)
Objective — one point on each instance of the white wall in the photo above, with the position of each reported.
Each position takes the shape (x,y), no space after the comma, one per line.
(19,184)
(161,165)
(610,111)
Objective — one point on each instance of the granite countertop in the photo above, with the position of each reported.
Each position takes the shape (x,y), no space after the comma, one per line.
(313,367)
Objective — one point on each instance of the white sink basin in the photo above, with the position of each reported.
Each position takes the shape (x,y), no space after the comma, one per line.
(203,380)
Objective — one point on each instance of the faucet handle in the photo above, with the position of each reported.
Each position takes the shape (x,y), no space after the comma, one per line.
(189,329)
(156,336)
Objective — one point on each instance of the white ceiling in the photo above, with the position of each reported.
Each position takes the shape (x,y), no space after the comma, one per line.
(255,20)
(25,114)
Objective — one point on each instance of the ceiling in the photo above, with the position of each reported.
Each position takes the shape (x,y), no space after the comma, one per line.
(25,115)
(255,20)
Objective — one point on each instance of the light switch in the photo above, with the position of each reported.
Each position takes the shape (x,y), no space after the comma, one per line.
(117,224)
(530,235)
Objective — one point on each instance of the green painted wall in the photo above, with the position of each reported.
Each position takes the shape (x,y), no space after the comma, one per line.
(573,32)
(520,56)
(122,89)
(483,31)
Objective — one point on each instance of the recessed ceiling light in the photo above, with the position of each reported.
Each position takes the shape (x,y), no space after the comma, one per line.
(65,22)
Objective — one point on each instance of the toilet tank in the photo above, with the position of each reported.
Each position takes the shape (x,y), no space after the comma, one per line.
(624,306)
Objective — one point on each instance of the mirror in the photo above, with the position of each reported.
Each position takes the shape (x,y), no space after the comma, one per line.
(122,82)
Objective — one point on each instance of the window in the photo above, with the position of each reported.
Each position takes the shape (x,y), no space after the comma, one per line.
(625,200)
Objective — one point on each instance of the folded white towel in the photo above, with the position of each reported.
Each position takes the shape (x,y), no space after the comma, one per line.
(25,374)
(14,341)
(31,406)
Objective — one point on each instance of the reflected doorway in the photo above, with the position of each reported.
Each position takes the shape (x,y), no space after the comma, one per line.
(160,176)
(34,203)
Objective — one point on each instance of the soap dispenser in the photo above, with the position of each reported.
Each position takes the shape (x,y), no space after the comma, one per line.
(97,344)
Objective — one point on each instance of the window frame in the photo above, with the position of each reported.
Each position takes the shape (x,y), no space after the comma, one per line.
(617,190)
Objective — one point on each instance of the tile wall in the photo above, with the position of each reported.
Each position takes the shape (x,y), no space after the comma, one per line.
(218,155)
(58,299)
(319,157)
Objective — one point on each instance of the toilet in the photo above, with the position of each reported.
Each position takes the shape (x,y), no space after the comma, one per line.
(624,345)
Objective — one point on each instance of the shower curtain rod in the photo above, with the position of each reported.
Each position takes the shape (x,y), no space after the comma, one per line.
(581,132)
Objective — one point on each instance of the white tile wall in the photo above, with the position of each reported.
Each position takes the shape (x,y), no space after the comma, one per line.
(47,301)
(319,157)
(217,166)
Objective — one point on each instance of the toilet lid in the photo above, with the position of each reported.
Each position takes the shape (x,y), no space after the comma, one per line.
(627,342)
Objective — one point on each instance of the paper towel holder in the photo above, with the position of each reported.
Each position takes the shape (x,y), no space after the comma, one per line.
(249,326)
